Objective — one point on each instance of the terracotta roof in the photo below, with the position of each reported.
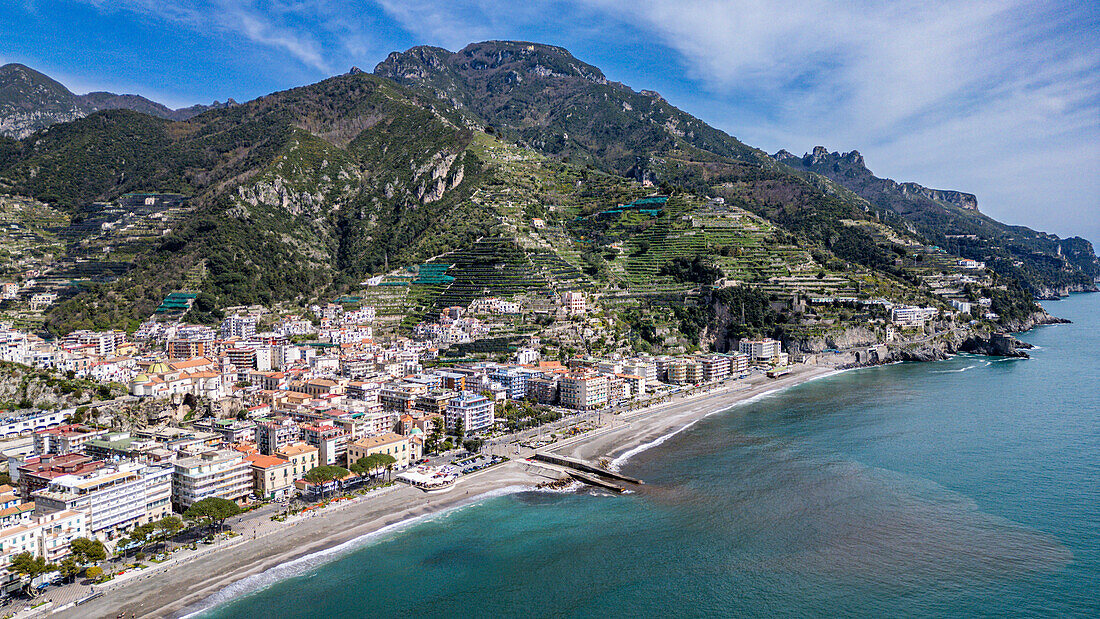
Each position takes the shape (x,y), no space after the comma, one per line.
(263,462)
(190,363)
(296,449)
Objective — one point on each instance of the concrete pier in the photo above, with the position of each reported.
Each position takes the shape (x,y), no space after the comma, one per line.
(581,465)
(592,480)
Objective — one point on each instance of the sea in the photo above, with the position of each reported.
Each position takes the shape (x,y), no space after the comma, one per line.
(963,488)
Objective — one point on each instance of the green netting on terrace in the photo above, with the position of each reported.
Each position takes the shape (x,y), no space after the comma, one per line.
(432,273)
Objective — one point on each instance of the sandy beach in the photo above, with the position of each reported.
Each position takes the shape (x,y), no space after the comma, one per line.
(296,545)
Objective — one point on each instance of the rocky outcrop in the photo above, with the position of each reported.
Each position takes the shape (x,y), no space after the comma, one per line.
(996,345)
(1033,320)
(1052,293)
(960,199)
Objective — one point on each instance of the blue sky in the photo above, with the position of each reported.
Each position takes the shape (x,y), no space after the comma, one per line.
(1001,99)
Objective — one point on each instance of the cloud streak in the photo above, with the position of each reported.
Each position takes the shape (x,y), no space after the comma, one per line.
(270,24)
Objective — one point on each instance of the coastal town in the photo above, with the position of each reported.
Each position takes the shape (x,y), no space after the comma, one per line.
(146,443)
(236,338)
(291,412)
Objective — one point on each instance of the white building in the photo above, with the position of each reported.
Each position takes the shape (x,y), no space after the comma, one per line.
(573,302)
(13,346)
(912,316)
(47,535)
(115,499)
(584,391)
(760,351)
(239,325)
(527,356)
(494,305)
(475,411)
(962,306)
(13,424)
(42,300)
(220,473)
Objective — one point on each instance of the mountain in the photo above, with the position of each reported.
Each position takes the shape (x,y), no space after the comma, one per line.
(1050,266)
(515,167)
(290,191)
(543,96)
(30,101)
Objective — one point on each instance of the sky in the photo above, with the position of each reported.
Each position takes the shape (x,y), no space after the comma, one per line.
(1000,99)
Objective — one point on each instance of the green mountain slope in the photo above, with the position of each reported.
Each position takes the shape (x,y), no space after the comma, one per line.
(292,192)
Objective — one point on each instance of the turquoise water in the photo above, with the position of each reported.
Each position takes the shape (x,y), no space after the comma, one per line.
(960,488)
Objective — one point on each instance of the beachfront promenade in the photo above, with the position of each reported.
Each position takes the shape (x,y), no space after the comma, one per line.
(178,586)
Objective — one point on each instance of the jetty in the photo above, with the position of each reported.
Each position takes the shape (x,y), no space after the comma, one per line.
(589,470)
(592,480)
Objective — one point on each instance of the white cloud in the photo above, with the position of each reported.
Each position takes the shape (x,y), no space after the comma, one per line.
(269,24)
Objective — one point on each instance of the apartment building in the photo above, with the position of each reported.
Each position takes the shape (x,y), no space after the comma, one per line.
(475,411)
(331,443)
(220,473)
(271,436)
(272,476)
(49,536)
(36,472)
(513,380)
(583,392)
(302,458)
(434,402)
(739,363)
(186,349)
(715,367)
(910,316)
(573,302)
(760,351)
(115,499)
(239,326)
(64,439)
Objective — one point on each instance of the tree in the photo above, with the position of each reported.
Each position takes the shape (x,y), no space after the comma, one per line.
(324,474)
(435,437)
(460,428)
(363,465)
(93,572)
(473,444)
(213,511)
(31,567)
(167,528)
(369,464)
(87,550)
(69,568)
(387,461)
